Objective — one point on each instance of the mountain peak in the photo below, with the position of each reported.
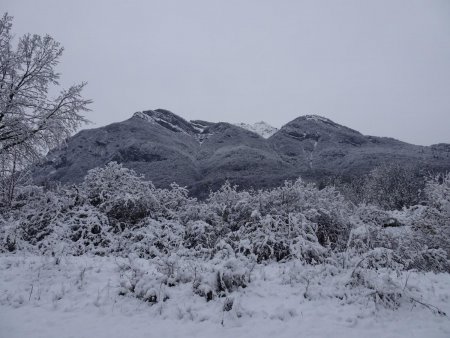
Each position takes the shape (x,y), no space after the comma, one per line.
(316,119)
(316,123)
(168,120)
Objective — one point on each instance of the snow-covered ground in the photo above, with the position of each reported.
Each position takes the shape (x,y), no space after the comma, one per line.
(79,297)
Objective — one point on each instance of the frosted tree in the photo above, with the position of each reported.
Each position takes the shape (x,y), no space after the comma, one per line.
(392,186)
(31,120)
(437,191)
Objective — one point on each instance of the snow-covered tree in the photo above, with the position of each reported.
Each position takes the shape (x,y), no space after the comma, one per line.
(31,120)
(437,192)
(392,186)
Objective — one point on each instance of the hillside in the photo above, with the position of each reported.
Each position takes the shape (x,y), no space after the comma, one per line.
(202,155)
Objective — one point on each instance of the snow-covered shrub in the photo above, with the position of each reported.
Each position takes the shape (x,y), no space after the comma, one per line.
(279,238)
(151,238)
(369,214)
(233,207)
(173,202)
(143,284)
(435,260)
(55,221)
(403,244)
(376,273)
(200,236)
(362,238)
(370,231)
(172,269)
(115,211)
(150,280)
(264,238)
(125,197)
(35,215)
(295,220)
(220,277)
(82,229)
(326,208)
(233,274)
(223,251)
(433,225)
(379,258)
(432,230)
(378,285)
(10,239)
(182,268)
(39,212)
(204,288)
(331,231)
(392,186)
(323,281)
(437,192)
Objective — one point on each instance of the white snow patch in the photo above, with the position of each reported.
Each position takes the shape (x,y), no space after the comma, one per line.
(199,127)
(155,119)
(144,116)
(261,128)
(318,118)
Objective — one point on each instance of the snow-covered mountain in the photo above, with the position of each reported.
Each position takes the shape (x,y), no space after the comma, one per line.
(201,155)
(261,128)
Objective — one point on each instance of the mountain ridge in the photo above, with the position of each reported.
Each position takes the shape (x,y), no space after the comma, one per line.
(202,155)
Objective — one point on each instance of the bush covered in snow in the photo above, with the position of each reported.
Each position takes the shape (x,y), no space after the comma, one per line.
(114,211)
(433,225)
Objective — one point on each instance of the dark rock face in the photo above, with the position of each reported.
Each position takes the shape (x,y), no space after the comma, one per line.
(202,155)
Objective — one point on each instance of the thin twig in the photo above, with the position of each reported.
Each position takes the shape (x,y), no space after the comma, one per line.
(432,308)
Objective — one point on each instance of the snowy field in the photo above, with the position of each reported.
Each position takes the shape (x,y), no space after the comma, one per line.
(80,297)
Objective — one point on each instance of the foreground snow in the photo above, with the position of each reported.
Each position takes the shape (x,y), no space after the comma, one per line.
(79,297)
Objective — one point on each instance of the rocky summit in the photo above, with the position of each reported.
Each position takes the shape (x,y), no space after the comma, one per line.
(202,155)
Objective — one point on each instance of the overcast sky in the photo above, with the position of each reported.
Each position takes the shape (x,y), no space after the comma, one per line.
(381,67)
